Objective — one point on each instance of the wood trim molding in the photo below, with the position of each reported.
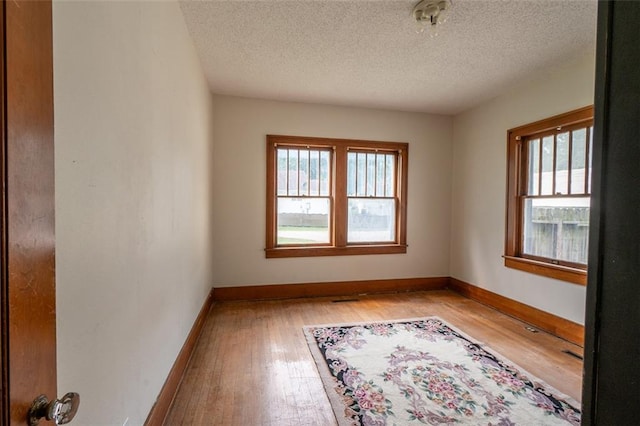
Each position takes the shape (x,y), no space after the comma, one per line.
(340,288)
(558,272)
(280,252)
(553,324)
(160,409)
(561,120)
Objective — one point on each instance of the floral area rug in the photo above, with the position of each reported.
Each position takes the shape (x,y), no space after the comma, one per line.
(423,371)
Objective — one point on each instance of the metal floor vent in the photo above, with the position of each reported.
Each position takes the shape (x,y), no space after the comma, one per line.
(345,300)
(573,354)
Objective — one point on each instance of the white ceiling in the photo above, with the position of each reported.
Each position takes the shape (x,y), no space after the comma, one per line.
(368,54)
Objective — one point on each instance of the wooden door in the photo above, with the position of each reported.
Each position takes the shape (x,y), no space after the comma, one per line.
(27,279)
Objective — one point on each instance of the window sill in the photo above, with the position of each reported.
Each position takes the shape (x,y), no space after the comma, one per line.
(334,251)
(563,273)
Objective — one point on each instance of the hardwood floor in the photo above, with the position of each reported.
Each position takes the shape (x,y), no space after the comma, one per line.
(252,365)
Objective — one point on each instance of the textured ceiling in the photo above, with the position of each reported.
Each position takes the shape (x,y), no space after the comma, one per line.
(368,54)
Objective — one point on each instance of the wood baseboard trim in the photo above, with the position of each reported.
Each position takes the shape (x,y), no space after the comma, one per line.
(338,288)
(160,409)
(550,323)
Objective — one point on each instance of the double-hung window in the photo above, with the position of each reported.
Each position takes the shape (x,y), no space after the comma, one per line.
(328,197)
(549,187)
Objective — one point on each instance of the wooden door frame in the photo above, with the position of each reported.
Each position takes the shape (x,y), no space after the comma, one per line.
(27,204)
(4,276)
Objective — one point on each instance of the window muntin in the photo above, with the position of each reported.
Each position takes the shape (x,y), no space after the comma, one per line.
(335,196)
(548,195)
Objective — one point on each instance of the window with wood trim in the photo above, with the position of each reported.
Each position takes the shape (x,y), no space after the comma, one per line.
(332,197)
(548,196)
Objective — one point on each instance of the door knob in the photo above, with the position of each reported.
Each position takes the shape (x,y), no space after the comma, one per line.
(61,411)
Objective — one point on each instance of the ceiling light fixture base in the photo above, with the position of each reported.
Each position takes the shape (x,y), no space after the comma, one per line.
(430,13)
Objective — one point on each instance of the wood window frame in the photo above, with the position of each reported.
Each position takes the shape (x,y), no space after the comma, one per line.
(338,223)
(516,181)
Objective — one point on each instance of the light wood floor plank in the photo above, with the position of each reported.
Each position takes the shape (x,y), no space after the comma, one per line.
(252,366)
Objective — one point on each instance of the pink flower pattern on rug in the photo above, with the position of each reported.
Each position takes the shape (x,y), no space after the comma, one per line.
(428,373)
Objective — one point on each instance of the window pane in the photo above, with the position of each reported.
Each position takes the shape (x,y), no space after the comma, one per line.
(325,172)
(381,173)
(578,153)
(546,187)
(303,221)
(562,163)
(371,174)
(303,174)
(293,172)
(282,171)
(371,220)
(557,228)
(314,176)
(362,174)
(351,174)
(391,171)
(534,164)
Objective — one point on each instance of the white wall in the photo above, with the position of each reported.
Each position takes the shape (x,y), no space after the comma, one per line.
(133,199)
(479,185)
(240,127)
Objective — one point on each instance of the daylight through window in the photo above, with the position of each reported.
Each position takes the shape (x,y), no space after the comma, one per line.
(335,197)
(556,205)
(371,197)
(304,201)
